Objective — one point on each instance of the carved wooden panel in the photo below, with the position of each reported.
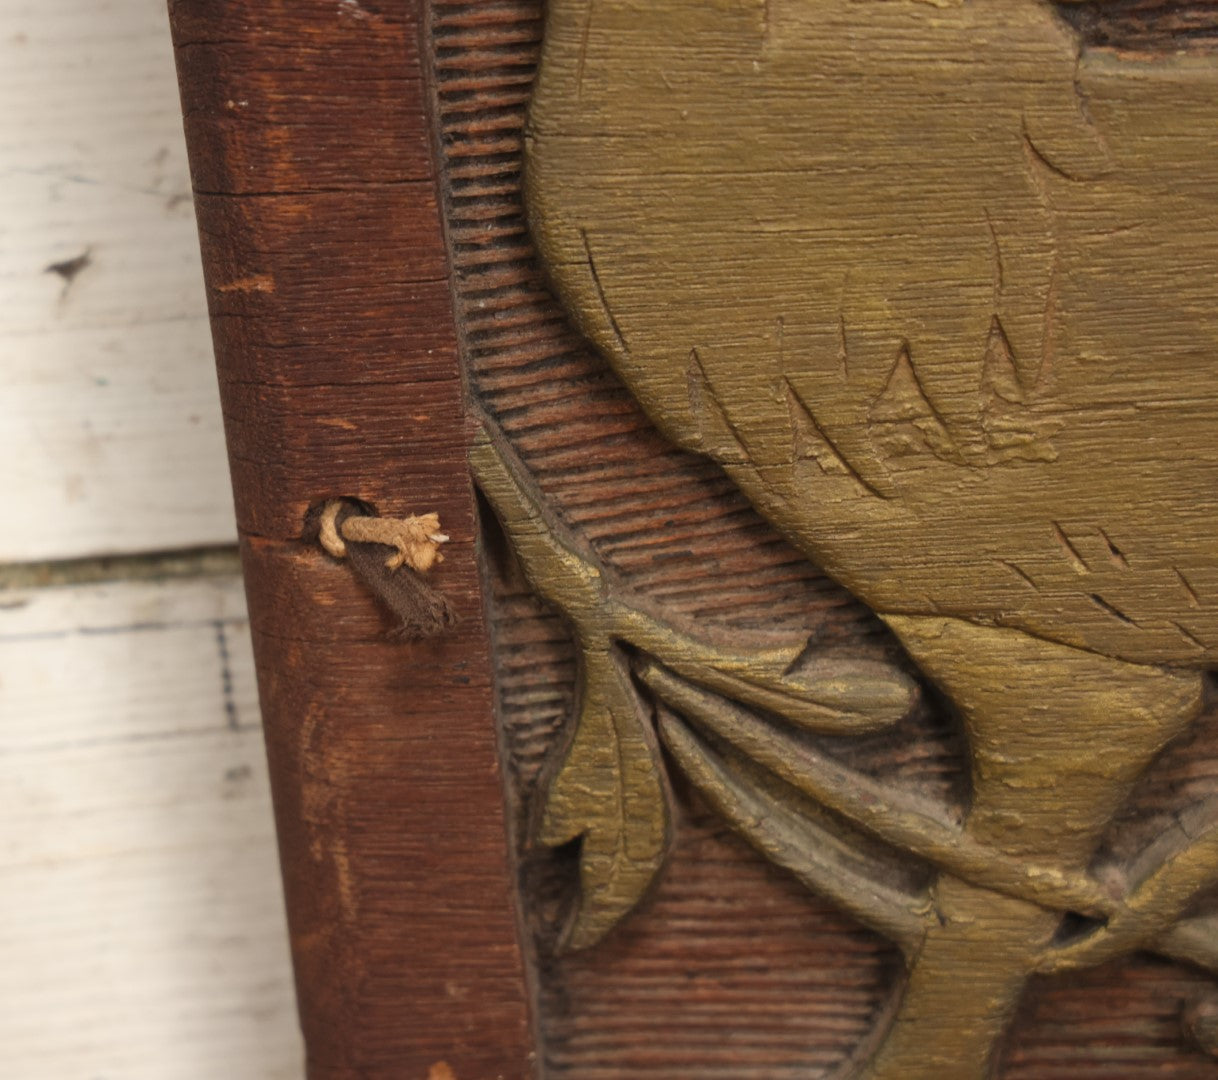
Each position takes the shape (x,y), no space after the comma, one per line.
(837,378)
(805,304)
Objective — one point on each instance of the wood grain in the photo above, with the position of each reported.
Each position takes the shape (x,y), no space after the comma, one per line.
(110,432)
(141,914)
(326,278)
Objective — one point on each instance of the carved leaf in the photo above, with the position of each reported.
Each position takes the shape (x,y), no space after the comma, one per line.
(826,695)
(609,790)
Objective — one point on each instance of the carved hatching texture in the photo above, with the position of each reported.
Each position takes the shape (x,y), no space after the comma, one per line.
(730,969)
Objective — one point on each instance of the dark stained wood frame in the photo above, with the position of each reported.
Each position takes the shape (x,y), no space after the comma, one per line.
(333,324)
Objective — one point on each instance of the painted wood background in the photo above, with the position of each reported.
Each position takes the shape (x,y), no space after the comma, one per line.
(141,912)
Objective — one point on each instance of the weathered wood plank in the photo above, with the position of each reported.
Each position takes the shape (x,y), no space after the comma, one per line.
(141,914)
(110,433)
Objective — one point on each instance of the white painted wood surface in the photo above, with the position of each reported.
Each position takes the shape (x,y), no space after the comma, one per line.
(141,916)
(109,432)
(142,934)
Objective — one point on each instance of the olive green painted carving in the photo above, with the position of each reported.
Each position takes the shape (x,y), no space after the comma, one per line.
(939,291)
(1007,876)
(608,788)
